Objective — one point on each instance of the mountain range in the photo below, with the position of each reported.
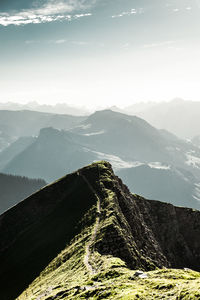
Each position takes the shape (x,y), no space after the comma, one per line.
(169,184)
(171,116)
(136,150)
(178,116)
(86,236)
(59,108)
(16,124)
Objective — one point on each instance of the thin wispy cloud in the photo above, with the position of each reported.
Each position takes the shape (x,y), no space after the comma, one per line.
(51,11)
(188,8)
(57,42)
(159,44)
(30,42)
(133,11)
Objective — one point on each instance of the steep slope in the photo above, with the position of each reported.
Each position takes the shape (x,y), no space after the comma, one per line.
(14,149)
(98,224)
(14,189)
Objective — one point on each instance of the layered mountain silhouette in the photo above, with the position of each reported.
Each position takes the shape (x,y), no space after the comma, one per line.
(126,136)
(132,138)
(15,124)
(14,149)
(172,116)
(15,188)
(53,154)
(80,237)
(171,185)
(125,141)
(59,108)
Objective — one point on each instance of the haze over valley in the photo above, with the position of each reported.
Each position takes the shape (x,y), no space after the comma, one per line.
(141,154)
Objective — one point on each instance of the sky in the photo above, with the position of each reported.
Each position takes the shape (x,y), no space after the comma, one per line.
(99,52)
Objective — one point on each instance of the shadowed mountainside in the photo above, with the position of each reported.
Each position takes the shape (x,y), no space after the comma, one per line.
(15,188)
(94,219)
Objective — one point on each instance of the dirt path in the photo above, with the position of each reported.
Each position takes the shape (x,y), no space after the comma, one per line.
(88,247)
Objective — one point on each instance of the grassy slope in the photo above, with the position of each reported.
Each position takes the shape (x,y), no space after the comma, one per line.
(71,281)
(68,276)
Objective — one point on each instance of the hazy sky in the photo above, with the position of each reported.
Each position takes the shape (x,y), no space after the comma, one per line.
(93,52)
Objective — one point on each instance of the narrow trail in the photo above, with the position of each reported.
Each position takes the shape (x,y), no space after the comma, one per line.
(88,247)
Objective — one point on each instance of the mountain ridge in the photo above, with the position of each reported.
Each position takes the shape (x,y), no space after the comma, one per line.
(125,141)
(92,213)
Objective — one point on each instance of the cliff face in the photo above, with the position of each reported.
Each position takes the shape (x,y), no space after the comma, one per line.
(93,218)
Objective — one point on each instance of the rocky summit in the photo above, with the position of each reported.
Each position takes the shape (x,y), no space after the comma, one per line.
(87,237)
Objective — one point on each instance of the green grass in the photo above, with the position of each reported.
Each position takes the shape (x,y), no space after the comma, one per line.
(72,281)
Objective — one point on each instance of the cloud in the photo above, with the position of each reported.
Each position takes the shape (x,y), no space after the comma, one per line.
(176,9)
(133,11)
(57,42)
(79,43)
(50,11)
(60,41)
(159,44)
(29,42)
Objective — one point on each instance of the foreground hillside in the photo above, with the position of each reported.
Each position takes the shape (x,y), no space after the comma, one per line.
(84,237)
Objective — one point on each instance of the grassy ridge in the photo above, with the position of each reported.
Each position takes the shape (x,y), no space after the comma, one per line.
(86,236)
